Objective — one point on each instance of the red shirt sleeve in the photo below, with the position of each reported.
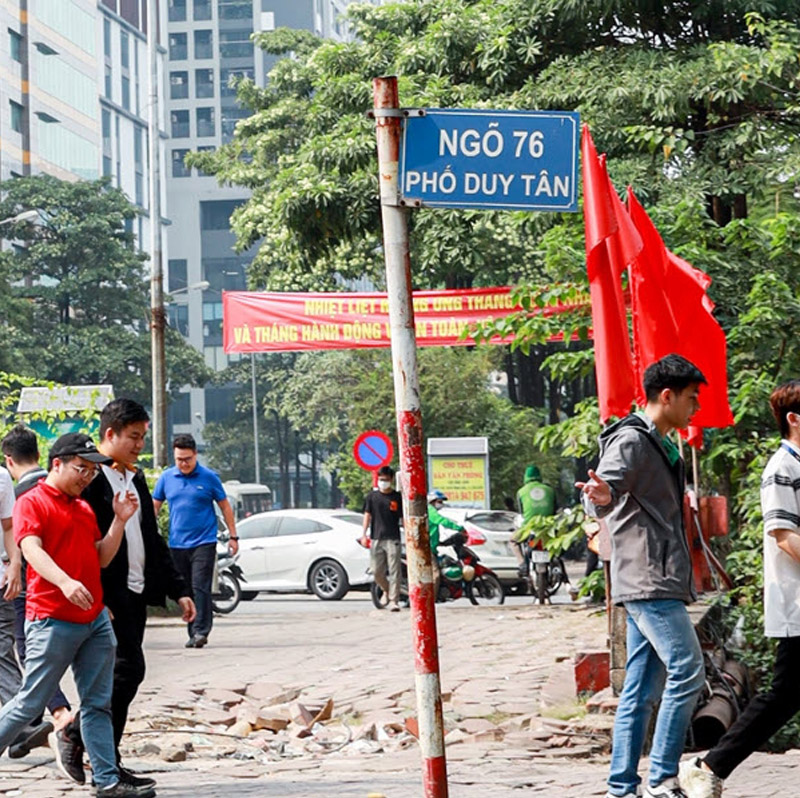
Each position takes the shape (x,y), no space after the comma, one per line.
(27,522)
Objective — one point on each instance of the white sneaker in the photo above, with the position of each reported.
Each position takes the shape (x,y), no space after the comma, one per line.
(394,606)
(697,782)
(669,788)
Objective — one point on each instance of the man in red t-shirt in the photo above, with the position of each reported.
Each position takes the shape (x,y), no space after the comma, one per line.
(66,622)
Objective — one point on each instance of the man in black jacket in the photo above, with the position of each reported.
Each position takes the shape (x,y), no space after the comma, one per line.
(141,574)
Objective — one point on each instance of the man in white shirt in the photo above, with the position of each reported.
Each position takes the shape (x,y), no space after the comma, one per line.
(768,711)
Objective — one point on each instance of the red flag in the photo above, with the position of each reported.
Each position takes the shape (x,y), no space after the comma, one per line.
(673,313)
(611,243)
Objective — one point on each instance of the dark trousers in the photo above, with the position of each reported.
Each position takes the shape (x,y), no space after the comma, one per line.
(58,699)
(130,617)
(764,715)
(196,566)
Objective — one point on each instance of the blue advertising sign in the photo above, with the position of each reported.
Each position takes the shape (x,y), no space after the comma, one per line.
(475,158)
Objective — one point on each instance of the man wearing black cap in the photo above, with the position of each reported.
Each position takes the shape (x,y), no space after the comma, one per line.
(67,624)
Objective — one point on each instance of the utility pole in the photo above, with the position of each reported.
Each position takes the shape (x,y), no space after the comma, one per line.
(158,321)
(388,117)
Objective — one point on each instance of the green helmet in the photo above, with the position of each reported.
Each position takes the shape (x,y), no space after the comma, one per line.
(532,473)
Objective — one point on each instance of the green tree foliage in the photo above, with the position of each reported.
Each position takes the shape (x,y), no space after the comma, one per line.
(75,291)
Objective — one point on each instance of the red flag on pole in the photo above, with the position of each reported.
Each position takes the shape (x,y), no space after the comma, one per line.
(673,313)
(611,244)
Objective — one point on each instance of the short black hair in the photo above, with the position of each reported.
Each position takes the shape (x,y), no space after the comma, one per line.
(118,413)
(386,471)
(785,399)
(184,441)
(21,446)
(673,372)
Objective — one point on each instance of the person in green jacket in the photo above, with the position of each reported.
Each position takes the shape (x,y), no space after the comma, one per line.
(534,498)
(436,521)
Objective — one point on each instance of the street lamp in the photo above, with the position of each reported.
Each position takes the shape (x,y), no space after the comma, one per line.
(23,216)
(203,285)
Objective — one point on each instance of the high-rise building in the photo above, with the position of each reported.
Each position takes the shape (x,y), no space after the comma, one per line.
(208,42)
(74,93)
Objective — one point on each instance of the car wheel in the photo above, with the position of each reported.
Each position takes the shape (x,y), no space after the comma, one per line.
(328,580)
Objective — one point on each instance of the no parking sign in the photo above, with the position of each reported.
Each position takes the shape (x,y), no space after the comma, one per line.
(372,450)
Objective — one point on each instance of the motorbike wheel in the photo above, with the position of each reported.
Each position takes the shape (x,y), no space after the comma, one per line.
(381,599)
(541,587)
(228,595)
(485,588)
(556,575)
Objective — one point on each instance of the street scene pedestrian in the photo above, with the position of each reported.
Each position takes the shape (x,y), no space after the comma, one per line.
(534,499)
(383,514)
(638,489)
(767,712)
(67,623)
(140,574)
(21,452)
(191,490)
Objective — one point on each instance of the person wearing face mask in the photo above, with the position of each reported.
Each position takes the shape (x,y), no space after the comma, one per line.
(383,512)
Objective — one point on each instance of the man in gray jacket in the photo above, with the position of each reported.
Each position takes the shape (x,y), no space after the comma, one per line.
(638,488)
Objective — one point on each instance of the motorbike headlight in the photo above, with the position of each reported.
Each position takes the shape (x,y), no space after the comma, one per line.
(468,573)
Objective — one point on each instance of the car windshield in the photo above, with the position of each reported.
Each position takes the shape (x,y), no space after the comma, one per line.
(350,518)
(495,522)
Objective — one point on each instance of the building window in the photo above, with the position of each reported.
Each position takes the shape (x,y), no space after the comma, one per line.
(235,9)
(176,272)
(225,75)
(177,10)
(138,158)
(202,9)
(235,43)
(216,215)
(125,49)
(181,406)
(179,168)
(106,117)
(212,323)
(203,44)
(107,37)
(178,85)
(16,116)
(179,124)
(108,83)
(126,93)
(230,116)
(204,82)
(15,45)
(177,47)
(108,166)
(205,122)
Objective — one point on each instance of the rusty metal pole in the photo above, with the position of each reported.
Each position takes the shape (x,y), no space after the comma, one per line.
(409,436)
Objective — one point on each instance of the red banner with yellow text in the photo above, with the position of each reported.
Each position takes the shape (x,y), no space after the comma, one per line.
(297,322)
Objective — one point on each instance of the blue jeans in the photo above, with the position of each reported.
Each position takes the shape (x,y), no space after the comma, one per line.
(664,661)
(52,646)
(196,566)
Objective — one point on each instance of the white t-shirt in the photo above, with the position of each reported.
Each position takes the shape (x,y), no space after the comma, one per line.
(780,507)
(6,502)
(133,528)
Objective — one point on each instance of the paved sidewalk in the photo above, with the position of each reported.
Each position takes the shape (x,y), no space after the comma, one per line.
(495,662)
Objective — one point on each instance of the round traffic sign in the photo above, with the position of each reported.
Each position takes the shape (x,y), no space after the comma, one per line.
(373,449)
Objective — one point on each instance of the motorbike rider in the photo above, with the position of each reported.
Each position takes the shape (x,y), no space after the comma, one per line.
(534,498)
(436,521)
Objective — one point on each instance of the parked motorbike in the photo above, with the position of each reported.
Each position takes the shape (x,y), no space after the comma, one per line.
(546,574)
(461,576)
(226,587)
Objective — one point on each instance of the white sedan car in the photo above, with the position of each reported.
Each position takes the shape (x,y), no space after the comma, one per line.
(298,550)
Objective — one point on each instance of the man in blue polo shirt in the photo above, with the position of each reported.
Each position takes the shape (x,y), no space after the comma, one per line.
(191,489)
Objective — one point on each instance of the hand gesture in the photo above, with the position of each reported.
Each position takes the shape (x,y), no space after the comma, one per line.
(76,593)
(125,504)
(597,490)
(189,610)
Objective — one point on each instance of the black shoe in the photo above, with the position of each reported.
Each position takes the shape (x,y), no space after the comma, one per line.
(129,777)
(124,790)
(29,737)
(69,756)
(189,643)
(198,641)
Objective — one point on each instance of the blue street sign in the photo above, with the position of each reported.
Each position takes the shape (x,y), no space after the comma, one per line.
(474,158)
